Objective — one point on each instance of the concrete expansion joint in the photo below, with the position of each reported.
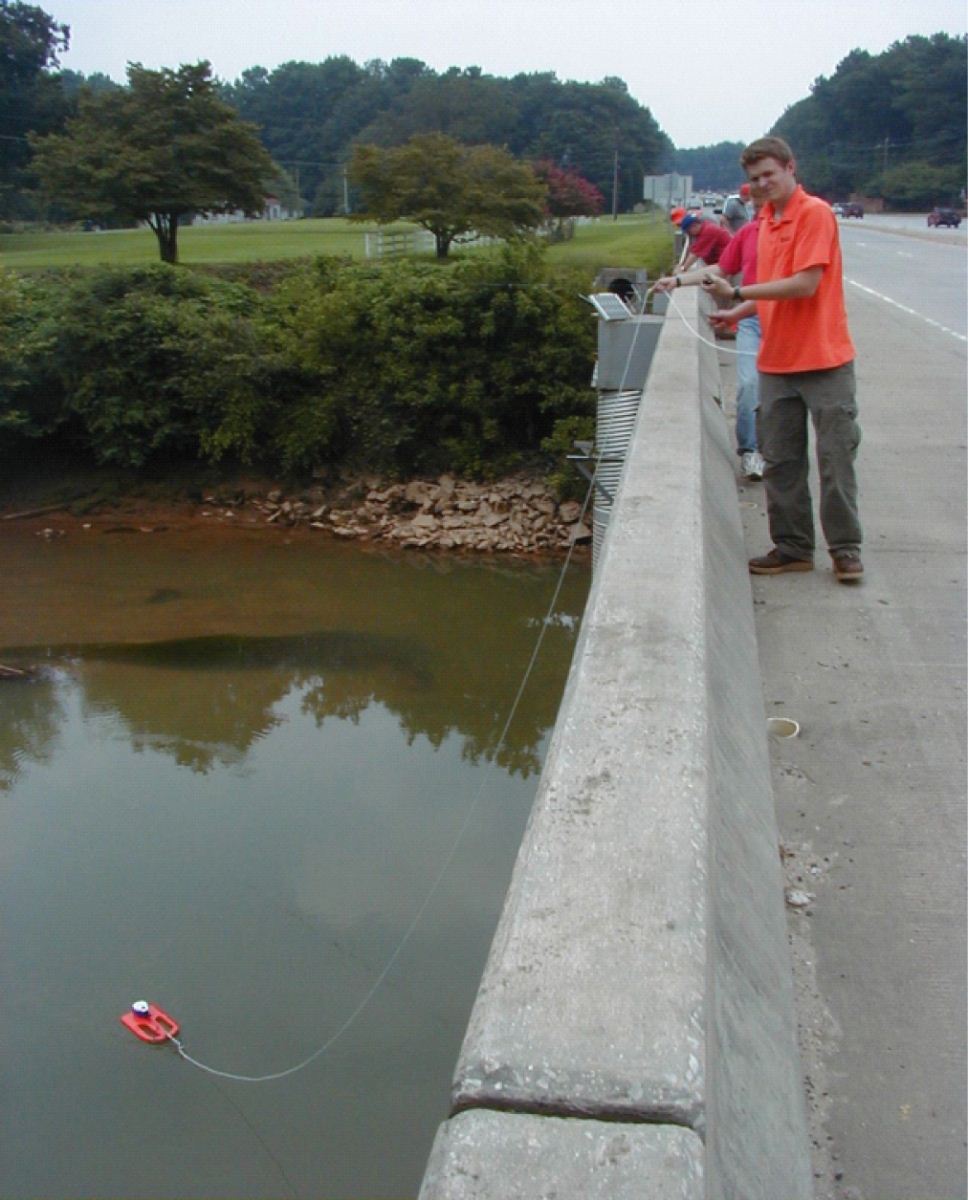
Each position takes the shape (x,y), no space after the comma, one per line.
(607,1114)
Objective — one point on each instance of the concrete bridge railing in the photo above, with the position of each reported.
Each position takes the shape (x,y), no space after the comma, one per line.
(634,1032)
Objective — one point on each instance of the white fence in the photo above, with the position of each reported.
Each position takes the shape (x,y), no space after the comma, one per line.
(396,243)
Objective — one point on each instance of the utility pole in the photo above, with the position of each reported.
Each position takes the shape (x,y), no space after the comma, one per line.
(346,194)
(615,184)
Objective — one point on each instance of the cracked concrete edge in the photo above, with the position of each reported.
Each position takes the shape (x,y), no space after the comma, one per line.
(579,1093)
(482,1155)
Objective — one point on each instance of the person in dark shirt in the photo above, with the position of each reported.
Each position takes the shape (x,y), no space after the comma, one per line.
(736,211)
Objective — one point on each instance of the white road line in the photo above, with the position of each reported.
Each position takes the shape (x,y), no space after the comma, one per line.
(910,311)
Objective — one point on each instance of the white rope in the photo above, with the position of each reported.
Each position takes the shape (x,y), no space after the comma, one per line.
(696,334)
(449,858)
(411,928)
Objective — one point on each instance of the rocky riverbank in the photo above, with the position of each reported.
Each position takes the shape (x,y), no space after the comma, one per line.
(517,515)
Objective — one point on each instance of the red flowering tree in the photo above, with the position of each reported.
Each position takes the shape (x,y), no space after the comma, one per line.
(569,195)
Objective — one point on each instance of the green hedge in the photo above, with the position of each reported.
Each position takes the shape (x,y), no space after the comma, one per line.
(402,368)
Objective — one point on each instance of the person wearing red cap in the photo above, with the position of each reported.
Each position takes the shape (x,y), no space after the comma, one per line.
(706,241)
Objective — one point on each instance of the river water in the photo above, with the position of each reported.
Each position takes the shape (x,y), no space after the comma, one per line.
(237,783)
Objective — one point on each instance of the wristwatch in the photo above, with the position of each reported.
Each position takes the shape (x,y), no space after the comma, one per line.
(736,295)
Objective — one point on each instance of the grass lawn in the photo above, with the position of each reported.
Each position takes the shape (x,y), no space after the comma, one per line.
(632,241)
(252,241)
(628,242)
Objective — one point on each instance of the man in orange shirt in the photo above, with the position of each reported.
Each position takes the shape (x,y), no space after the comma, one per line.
(806,365)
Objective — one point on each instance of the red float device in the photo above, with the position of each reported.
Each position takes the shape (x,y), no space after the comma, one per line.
(148,1022)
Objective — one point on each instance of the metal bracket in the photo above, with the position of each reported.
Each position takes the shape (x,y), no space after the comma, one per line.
(588,455)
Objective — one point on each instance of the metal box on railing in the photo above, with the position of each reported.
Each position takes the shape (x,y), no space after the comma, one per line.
(626,346)
(625,350)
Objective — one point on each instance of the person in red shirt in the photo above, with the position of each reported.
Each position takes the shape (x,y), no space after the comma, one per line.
(737,259)
(706,241)
(806,366)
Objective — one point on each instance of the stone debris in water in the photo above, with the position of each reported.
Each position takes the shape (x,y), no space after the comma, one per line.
(518,514)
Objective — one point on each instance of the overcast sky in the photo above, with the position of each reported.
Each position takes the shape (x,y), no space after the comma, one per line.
(709,72)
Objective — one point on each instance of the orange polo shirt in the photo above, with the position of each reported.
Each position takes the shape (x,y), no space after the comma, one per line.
(809,334)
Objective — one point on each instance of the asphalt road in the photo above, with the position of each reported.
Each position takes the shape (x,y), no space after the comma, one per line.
(923,276)
(912,223)
(871,795)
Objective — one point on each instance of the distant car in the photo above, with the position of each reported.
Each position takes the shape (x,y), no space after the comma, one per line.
(944,216)
(854,210)
(838,210)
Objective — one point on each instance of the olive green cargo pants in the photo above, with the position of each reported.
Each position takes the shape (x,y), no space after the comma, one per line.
(829,398)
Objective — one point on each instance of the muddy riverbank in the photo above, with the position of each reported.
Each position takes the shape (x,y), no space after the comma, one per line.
(518,515)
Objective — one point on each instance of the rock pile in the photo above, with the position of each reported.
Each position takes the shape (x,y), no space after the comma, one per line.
(518,514)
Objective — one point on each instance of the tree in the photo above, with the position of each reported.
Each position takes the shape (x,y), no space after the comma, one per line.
(569,195)
(880,112)
(713,168)
(312,114)
(918,185)
(584,127)
(73,82)
(447,188)
(158,150)
(30,96)
(463,104)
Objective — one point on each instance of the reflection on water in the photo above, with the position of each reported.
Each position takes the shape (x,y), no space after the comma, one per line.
(320,651)
(207,699)
(228,790)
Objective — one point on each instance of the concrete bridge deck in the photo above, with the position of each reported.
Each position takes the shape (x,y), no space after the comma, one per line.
(870,799)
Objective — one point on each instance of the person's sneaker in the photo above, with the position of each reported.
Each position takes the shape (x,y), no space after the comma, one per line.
(848,568)
(776,562)
(752,464)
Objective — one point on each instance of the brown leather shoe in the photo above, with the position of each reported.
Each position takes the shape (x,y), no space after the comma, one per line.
(776,562)
(848,568)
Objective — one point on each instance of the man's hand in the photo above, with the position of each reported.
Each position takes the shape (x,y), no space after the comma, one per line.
(718,286)
(732,316)
(665,284)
